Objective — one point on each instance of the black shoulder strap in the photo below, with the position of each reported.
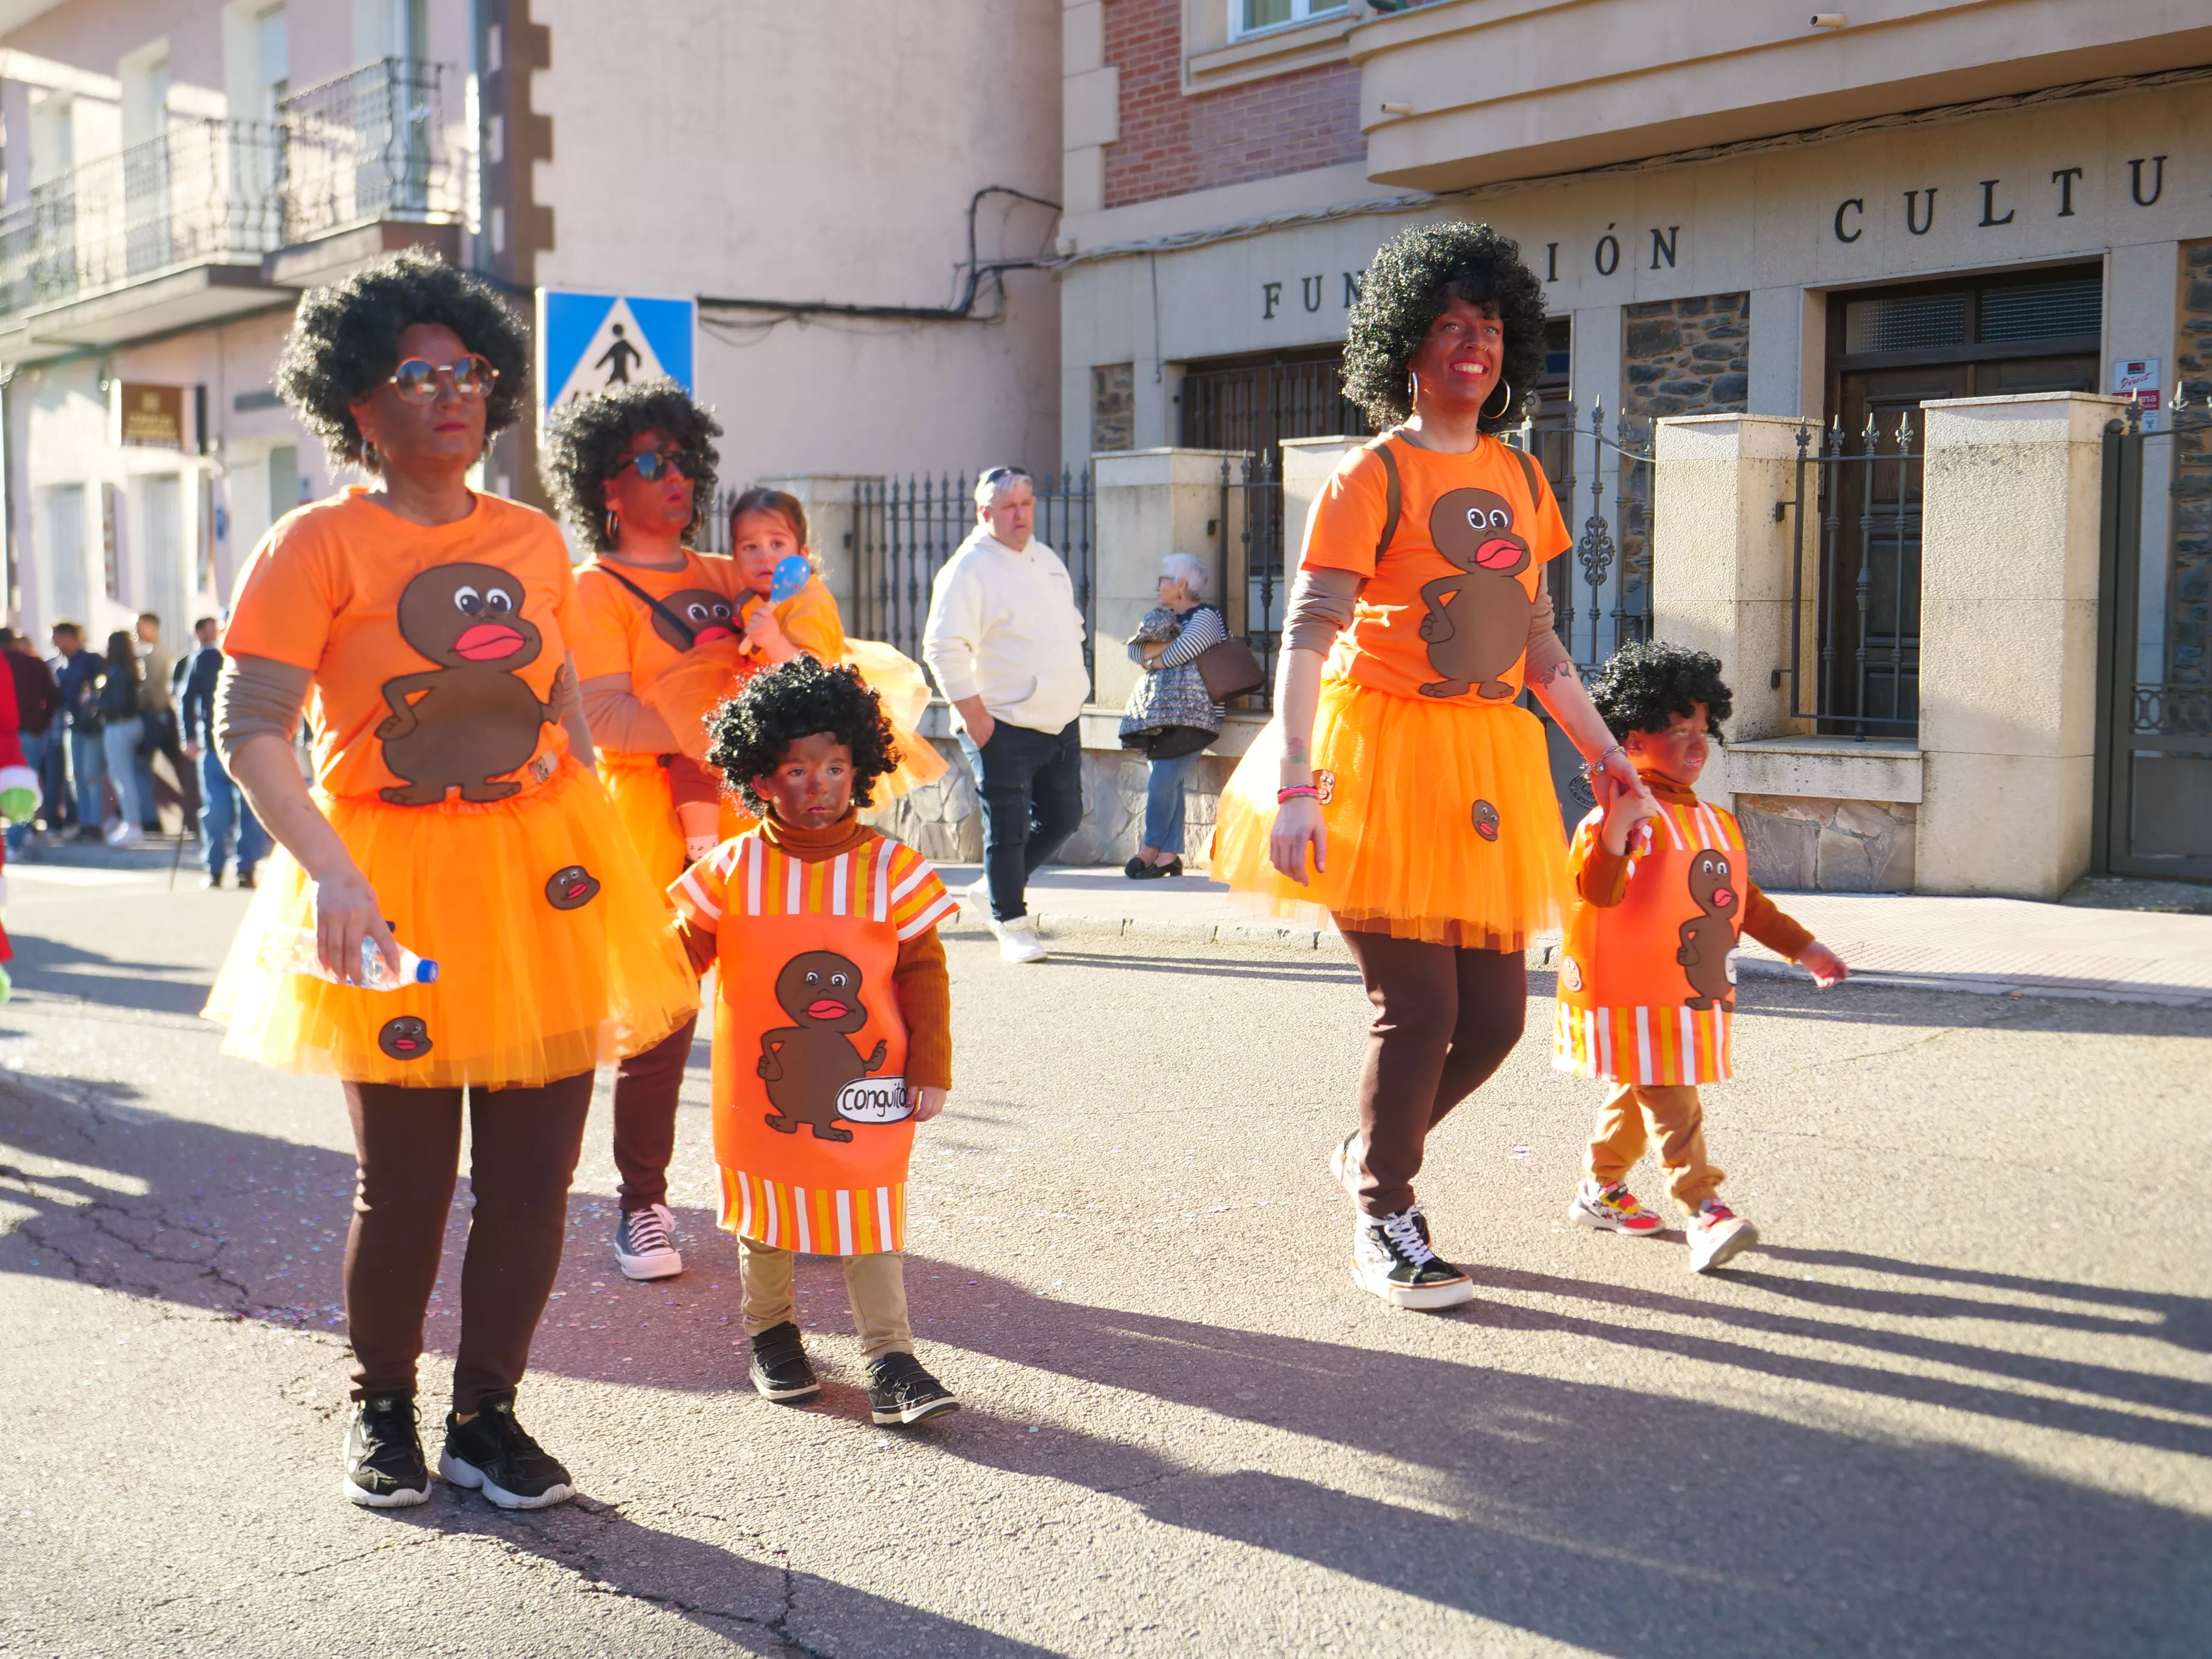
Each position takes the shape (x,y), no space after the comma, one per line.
(691,633)
(1392,495)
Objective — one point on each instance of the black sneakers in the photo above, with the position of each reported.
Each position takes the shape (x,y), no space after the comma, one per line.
(1391,1258)
(900,1391)
(384,1454)
(780,1367)
(491,1452)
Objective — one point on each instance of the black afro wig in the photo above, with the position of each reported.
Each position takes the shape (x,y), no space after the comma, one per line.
(1647,682)
(589,438)
(1406,290)
(747,736)
(344,343)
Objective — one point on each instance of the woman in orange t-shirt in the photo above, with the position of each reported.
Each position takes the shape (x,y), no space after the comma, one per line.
(1399,787)
(426,629)
(629,469)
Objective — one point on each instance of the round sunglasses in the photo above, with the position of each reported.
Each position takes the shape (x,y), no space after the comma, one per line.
(417,380)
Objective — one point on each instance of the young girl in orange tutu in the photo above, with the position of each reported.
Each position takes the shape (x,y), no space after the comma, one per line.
(629,468)
(1399,788)
(426,631)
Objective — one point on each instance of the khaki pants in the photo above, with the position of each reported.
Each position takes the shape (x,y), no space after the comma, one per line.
(1677,1119)
(875,1285)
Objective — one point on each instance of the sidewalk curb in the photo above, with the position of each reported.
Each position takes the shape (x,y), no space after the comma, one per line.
(1543,957)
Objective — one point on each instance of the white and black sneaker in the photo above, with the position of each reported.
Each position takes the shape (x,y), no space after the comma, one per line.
(1391,1258)
(491,1453)
(385,1469)
(780,1368)
(642,1249)
(901,1391)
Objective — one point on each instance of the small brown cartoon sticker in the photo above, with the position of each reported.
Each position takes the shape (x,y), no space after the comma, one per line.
(1486,820)
(1570,974)
(1325,785)
(404,1038)
(571,888)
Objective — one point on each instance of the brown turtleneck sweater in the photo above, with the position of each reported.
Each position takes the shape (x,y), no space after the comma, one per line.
(921,982)
(1602,880)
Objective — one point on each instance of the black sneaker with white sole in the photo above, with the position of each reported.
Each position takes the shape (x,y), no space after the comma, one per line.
(385,1469)
(642,1248)
(491,1453)
(780,1367)
(1391,1258)
(900,1391)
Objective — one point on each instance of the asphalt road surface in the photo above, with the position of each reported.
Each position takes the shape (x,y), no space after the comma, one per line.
(1961,1404)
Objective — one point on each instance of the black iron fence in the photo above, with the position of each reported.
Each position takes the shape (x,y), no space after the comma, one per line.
(1857,553)
(366,145)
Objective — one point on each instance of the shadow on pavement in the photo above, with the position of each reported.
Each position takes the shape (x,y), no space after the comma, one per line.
(49,968)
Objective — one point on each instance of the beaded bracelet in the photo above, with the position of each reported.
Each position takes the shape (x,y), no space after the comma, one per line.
(1295,791)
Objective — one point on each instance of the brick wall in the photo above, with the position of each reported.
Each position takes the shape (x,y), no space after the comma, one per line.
(1171,143)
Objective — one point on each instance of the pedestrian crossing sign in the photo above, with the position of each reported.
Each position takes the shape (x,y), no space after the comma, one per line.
(588,342)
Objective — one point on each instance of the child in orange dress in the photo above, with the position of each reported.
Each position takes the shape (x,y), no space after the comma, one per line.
(832,1027)
(1647,970)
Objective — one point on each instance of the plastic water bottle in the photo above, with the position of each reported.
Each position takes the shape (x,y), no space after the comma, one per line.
(294,952)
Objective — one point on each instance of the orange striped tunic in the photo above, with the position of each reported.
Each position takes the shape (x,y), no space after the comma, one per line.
(813,1123)
(1647,988)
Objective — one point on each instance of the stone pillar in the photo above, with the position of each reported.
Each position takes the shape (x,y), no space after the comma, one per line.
(1152,503)
(828,498)
(1720,576)
(2009,559)
(1307,464)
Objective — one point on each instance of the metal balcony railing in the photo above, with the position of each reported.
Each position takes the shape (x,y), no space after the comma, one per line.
(365,146)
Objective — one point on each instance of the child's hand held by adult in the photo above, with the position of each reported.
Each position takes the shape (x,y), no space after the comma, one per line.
(1622,818)
(1825,965)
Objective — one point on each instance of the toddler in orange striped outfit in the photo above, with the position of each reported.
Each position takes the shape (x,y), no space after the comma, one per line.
(1647,967)
(832,1021)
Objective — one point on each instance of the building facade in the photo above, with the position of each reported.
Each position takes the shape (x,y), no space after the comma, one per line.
(860,217)
(1733,210)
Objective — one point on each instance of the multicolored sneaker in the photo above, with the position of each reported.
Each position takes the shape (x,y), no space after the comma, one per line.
(1612,1209)
(1718,1234)
(1391,1258)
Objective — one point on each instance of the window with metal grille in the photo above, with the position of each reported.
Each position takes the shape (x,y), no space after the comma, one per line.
(2042,310)
(1917,322)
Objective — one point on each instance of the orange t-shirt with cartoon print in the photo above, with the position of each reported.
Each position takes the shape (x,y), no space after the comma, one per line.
(434,647)
(624,634)
(1443,612)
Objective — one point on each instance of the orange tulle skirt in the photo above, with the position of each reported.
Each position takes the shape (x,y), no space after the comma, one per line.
(1442,822)
(556,952)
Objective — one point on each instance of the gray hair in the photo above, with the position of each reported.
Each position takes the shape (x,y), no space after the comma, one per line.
(993,479)
(1186,569)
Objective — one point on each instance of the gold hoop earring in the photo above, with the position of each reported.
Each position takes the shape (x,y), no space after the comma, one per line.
(614,529)
(1505,386)
(1413,388)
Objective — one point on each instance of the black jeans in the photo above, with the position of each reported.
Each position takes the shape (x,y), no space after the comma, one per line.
(1031,783)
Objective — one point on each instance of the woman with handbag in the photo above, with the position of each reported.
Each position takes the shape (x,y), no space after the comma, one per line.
(1171,716)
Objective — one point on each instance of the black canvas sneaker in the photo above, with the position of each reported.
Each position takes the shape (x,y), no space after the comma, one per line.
(780,1367)
(1391,1258)
(492,1453)
(900,1391)
(384,1454)
(642,1249)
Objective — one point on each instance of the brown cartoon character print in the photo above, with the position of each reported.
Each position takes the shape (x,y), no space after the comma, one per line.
(1486,820)
(1709,937)
(707,615)
(1477,624)
(471,719)
(406,1038)
(807,1065)
(571,888)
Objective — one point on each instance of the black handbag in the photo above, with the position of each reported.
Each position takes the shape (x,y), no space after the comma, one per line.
(1174,742)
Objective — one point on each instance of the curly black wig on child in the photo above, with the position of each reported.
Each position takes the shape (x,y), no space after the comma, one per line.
(1406,290)
(747,735)
(344,343)
(1647,682)
(589,438)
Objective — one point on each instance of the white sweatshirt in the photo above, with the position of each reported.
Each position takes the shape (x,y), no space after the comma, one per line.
(1003,626)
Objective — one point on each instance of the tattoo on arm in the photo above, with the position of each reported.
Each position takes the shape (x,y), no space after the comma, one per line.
(1294,749)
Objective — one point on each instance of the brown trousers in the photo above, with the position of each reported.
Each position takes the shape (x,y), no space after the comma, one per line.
(645,1087)
(1446,1017)
(1677,1118)
(522,1155)
(875,1286)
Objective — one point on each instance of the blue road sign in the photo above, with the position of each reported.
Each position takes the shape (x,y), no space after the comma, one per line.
(587,343)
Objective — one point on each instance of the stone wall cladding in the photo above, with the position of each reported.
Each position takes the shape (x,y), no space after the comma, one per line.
(2189,608)
(1802,845)
(1685,356)
(1171,143)
(1113,408)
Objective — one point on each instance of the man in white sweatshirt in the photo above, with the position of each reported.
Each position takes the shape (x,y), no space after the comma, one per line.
(1005,640)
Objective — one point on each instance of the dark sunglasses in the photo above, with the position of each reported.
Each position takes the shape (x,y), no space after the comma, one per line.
(652,465)
(417,378)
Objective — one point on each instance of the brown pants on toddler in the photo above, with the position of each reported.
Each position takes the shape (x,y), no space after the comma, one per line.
(1677,1118)
(875,1285)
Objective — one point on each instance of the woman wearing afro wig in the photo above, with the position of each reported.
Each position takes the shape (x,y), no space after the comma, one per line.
(426,630)
(1399,788)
